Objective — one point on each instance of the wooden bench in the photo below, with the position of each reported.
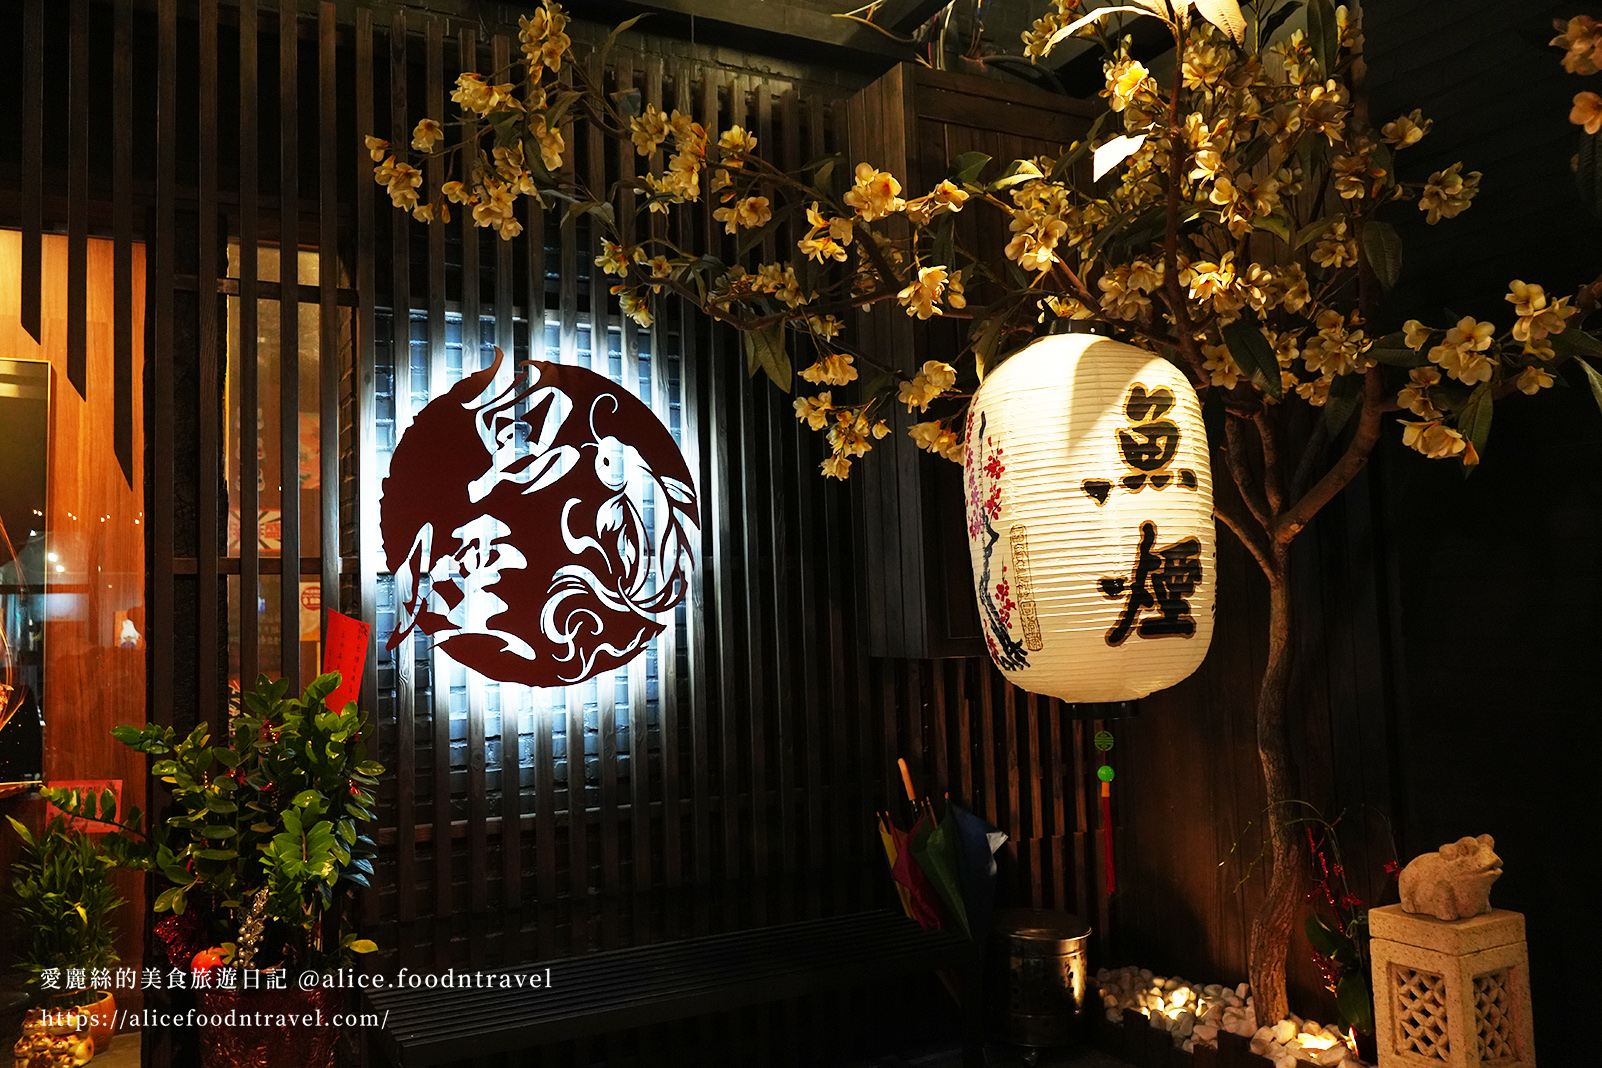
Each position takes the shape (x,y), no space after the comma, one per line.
(601,993)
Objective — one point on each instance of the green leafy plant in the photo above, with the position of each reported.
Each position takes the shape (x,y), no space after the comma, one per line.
(62,899)
(275,810)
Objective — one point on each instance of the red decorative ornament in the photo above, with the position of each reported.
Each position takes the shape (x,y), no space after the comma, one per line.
(513,519)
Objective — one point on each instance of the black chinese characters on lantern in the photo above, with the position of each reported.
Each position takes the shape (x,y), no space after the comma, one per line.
(1090,524)
(515,520)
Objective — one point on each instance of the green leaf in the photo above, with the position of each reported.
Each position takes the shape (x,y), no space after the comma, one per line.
(964,170)
(1392,351)
(1255,356)
(764,350)
(1019,171)
(217,832)
(944,252)
(305,797)
(611,38)
(1274,224)
(1323,35)
(217,854)
(361,945)
(1312,230)
(1576,343)
(1323,937)
(1065,162)
(750,239)
(1356,1007)
(1594,379)
(1342,402)
(1275,21)
(127,735)
(1382,247)
(1588,171)
(170,898)
(1474,423)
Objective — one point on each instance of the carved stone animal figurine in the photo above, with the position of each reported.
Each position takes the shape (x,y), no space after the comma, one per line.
(1454,883)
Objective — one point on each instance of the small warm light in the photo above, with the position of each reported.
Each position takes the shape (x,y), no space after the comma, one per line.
(136,522)
(52,557)
(60,568)
(1315,1041)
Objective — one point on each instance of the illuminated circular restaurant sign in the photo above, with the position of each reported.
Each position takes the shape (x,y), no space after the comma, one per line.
(514,522)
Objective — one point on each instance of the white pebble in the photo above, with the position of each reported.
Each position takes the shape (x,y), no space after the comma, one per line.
(1115,1016)
(1284,1031)
(1286,1061)
(1243,990)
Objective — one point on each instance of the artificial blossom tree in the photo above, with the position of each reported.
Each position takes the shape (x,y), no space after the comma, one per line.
(1233,220)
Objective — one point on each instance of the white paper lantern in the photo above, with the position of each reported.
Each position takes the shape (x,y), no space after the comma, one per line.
(1090,520)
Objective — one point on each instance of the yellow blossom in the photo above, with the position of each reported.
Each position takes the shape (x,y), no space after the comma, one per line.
(1581,43)
(647,130)
(1221,368)
(1462,353)
(1448,193)
(1415,396)
(1533,379)
(834,369)
(635,304)
(920,295)
(1433,439)
(1126,80)
(749,214)
(824,326)
(1538,316)
(426,134)
(1415,334)
(814,411)
(1587,111)
(1407,130)
(875,194)
(376,147)
(933,379)
(1335,249)
(735,144)
(836,467)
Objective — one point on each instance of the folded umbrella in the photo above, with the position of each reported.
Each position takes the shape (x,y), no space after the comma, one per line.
(935,849)
(975,843)
(922,898)
(888,838)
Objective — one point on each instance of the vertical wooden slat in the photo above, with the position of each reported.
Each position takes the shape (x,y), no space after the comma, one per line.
(754,485)
(401,352)
(1057,782)
(121,236)
(289,334)
(987,740)
(78,202)
(249,369)
(162,658)
(210,413)
(32,296)
(329,364)
(668,709)
(477,795)
(577,793)
(718,428)
(541,724)
(640,824)
(802,587)
(510,728)
(605,683)
(697,687)
(365,410)
(1082,827)
(441,665)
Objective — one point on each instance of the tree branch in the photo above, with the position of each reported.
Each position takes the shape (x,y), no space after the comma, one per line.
(1273,477)
(1240,471)
(1253,537)
(1292,522)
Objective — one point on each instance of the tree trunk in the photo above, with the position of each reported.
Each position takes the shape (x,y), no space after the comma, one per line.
(1287,884)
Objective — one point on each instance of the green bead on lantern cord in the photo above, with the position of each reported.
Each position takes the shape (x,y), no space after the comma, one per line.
(1105,773)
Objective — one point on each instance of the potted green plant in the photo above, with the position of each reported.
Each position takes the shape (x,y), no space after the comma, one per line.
(62,901)
(260,852)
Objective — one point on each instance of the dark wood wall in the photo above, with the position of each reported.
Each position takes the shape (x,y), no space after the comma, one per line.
(739,788)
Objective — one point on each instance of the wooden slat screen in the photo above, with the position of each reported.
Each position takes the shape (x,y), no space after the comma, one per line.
(727,778)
